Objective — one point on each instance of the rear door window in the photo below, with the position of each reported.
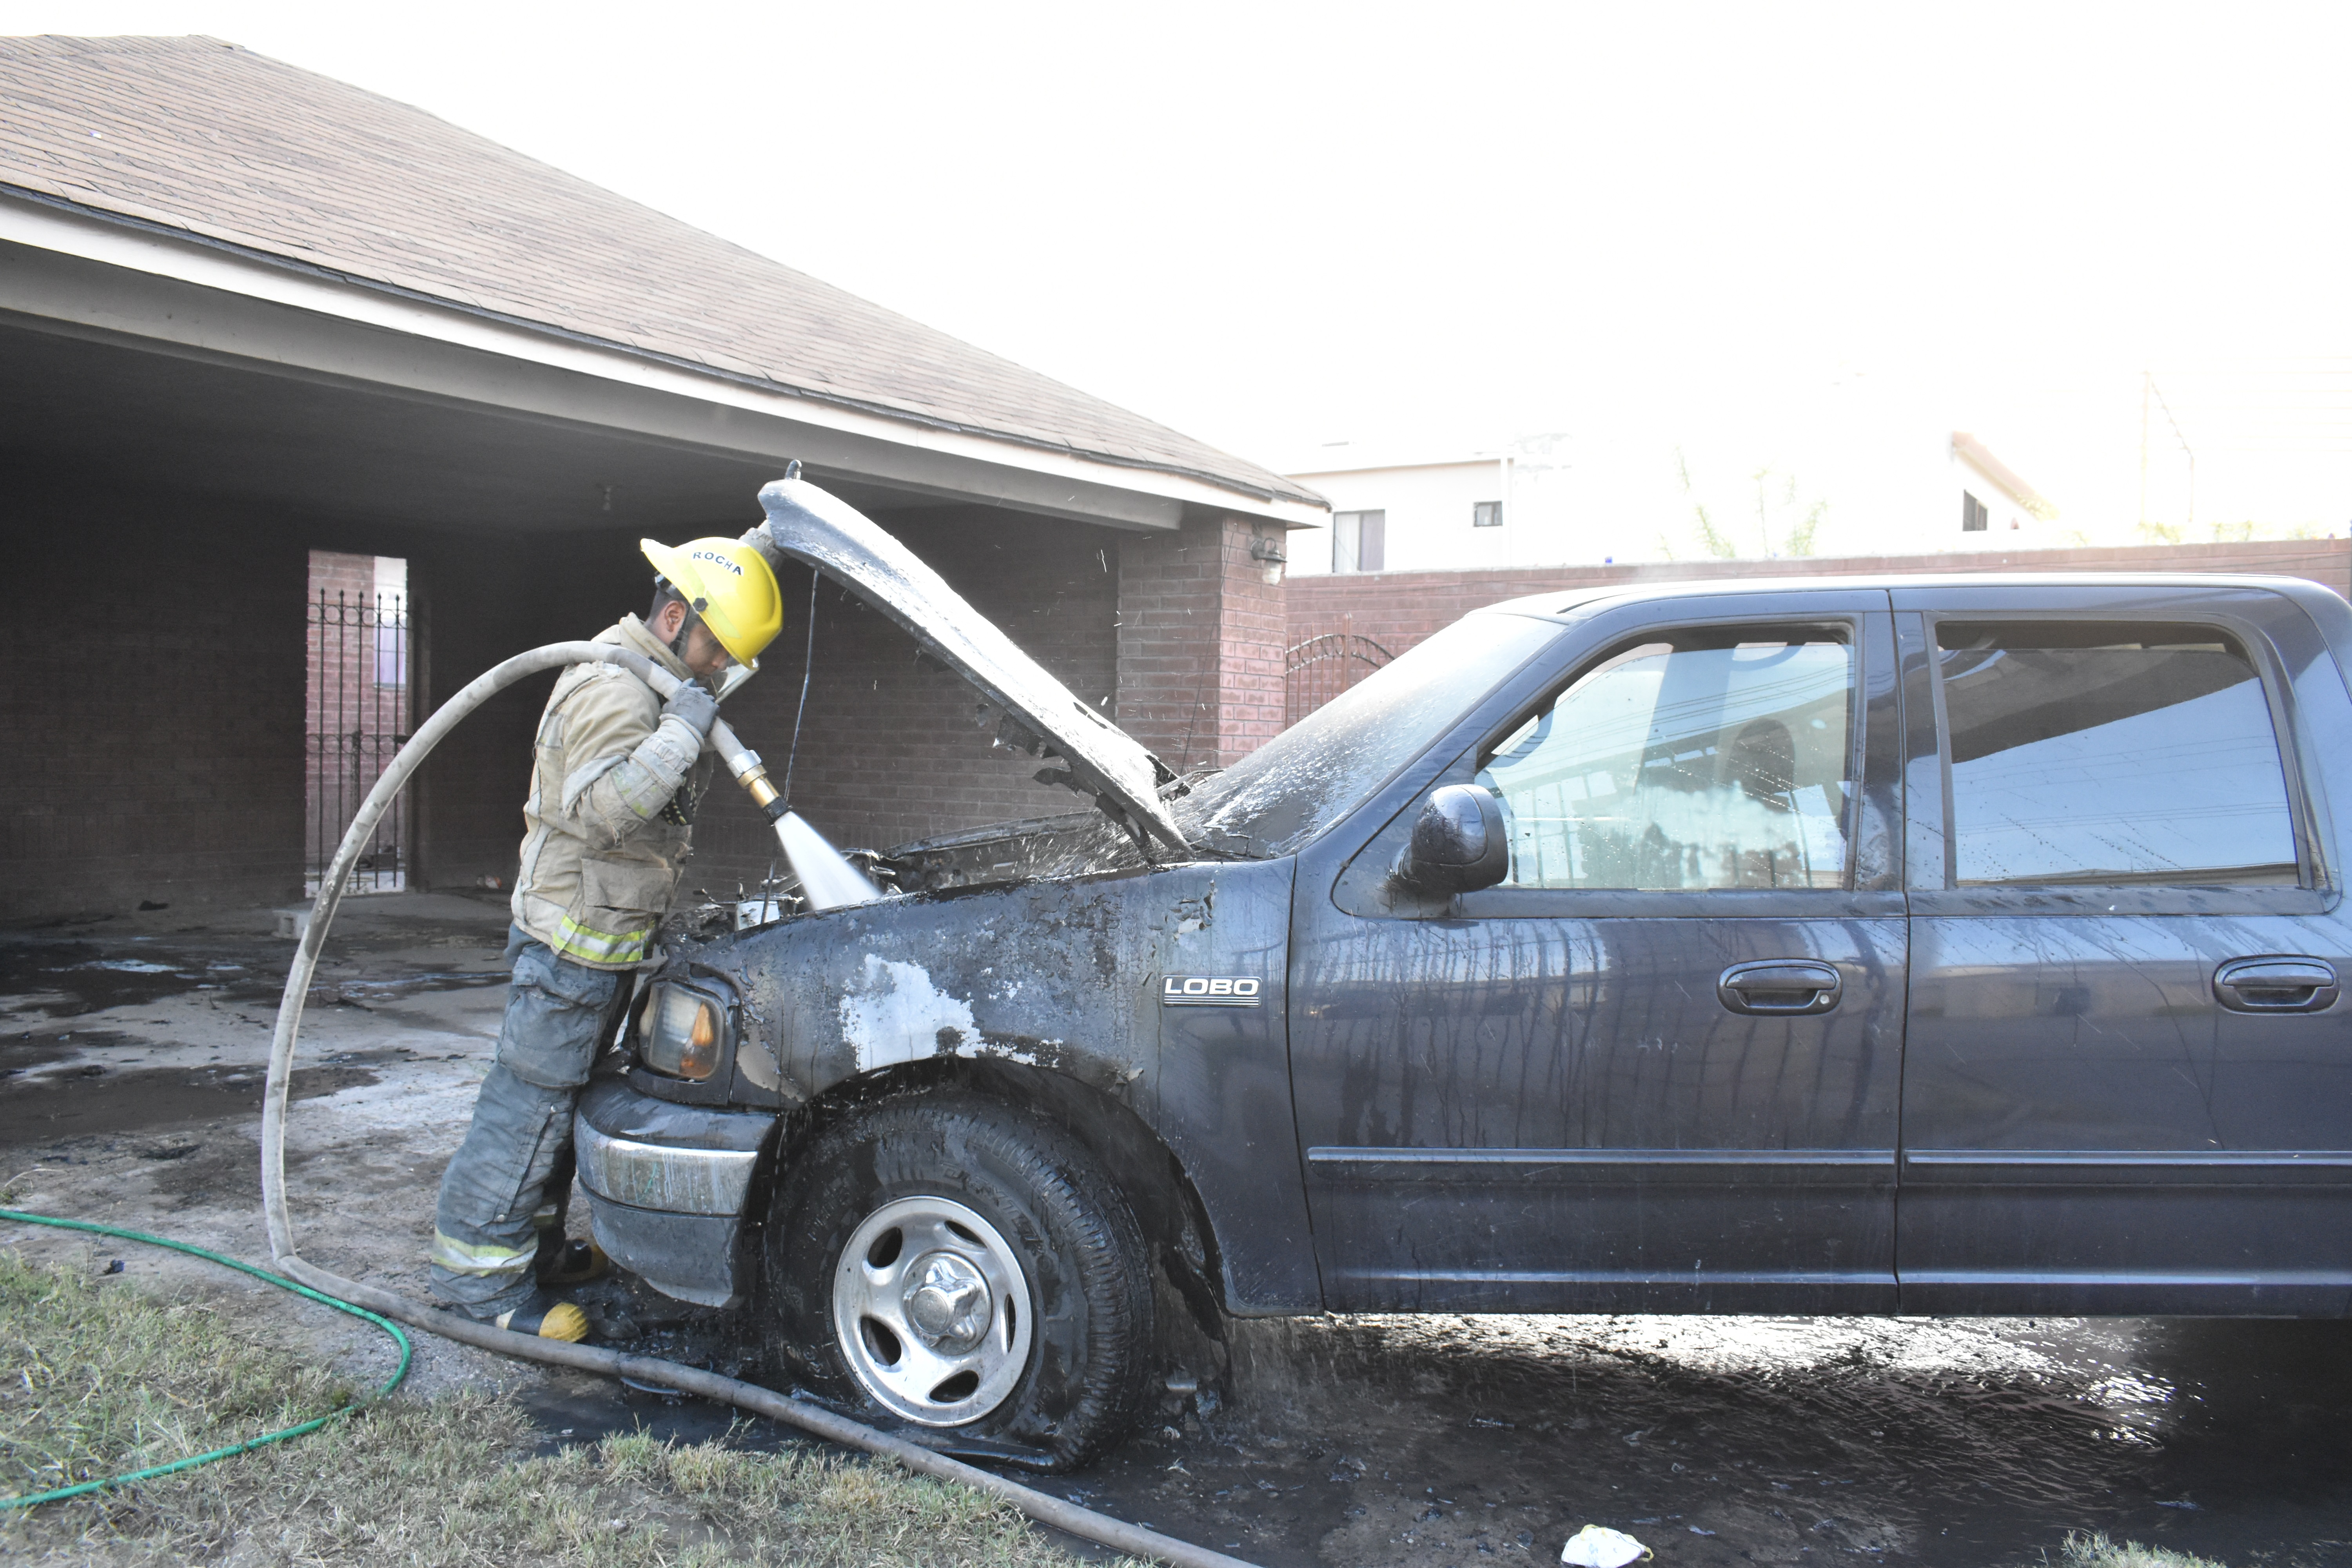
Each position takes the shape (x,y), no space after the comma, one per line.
(1704,758)
(2110,752)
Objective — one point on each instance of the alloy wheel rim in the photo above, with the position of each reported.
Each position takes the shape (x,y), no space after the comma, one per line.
(933,1310)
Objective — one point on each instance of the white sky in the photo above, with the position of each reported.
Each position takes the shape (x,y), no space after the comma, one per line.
(1759,233)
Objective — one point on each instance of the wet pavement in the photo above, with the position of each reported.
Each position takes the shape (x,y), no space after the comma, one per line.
(129,1078)
(1400,1440)
(61,1105)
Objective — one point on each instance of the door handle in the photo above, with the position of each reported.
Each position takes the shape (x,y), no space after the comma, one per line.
(1782,985)
(2276,985)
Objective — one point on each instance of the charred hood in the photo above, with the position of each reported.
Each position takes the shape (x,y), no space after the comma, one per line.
(1090,754)
(1080,845)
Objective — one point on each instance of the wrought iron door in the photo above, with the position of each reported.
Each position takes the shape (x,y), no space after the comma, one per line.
(1321,668)
(360,661)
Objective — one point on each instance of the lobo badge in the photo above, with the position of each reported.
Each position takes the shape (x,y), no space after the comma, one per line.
(1209,991)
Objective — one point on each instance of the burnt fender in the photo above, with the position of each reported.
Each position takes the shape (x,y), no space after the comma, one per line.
(1068,976)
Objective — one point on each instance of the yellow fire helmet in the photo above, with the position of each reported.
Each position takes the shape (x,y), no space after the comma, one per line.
(730,586)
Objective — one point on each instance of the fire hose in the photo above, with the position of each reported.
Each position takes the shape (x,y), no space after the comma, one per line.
(828,879)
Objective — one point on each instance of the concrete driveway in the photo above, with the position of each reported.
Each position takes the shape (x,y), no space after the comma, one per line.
(132,1053)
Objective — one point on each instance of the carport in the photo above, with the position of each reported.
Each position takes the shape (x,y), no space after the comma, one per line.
(247,313)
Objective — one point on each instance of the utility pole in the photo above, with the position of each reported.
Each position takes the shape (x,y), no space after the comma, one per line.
(2186,450)
(2146,385)
(1510,515)
(2148,390)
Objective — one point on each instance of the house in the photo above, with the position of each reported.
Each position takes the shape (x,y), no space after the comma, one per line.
(1397,510)
(1889,488)
(1989,507)
(259,327)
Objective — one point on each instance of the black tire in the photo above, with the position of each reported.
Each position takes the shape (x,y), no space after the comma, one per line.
(936,1159)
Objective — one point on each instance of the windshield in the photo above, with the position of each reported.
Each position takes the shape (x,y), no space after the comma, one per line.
(1315,772)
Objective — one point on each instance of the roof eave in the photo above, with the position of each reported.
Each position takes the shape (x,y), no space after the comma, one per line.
(1978,455)
(53,219)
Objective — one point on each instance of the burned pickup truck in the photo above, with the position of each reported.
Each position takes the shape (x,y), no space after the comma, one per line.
(1923,945)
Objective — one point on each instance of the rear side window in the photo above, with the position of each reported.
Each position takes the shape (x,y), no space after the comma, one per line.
(2111,752)
(1700,759)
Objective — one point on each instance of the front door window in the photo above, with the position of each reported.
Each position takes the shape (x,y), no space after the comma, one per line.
(1705,760)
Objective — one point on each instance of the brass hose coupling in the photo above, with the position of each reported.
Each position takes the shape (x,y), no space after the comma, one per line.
(762,791)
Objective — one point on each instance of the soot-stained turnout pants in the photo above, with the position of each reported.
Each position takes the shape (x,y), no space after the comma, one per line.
(510,1182)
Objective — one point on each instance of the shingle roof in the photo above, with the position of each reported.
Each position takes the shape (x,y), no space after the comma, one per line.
(198,135)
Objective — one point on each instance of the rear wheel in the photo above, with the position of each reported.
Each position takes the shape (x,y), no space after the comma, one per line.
(948,1261)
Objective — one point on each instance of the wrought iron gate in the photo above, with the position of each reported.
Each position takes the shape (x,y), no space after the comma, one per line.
(360,658)
(1321,668)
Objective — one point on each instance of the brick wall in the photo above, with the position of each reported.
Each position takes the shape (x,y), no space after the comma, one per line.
(1200,643)
(153,714)
(889,749)
(173,770)
(1397,609)
(1251,636)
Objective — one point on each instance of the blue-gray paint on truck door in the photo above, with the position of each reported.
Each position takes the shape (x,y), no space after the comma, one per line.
(2087,1126)
(1539,1097)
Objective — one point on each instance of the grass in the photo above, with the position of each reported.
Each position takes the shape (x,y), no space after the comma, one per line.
(101,1377)
(98,1377)
(2095,1549)
(99,1381)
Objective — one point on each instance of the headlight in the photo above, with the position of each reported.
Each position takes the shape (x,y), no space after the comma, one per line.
(680,1033)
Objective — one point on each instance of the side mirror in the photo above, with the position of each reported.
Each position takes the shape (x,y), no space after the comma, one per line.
(1458,844)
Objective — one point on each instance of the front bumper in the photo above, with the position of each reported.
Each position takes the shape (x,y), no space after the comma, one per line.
(666,1187)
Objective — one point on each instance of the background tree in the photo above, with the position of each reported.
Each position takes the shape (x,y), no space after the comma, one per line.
(1786,518)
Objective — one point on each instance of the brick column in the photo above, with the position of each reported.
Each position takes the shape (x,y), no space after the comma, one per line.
(1200,640)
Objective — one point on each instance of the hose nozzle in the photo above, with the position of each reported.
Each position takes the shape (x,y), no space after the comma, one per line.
(762,791)
(750,772)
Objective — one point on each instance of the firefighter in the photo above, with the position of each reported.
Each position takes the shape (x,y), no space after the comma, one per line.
(615,774)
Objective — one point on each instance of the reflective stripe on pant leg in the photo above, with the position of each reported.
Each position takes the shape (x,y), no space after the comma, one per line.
(482,1261)
(493,1189)
(521,1131)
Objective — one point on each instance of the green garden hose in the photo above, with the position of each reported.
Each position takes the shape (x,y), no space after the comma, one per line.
(245,1448)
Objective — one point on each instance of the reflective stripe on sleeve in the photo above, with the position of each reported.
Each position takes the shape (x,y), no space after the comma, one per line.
(601,947)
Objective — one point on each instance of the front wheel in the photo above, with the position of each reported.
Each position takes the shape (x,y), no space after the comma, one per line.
(951,1262)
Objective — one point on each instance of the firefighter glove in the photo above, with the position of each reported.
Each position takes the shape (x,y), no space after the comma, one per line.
(694,707)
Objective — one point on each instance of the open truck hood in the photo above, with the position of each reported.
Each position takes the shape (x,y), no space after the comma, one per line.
(821,530)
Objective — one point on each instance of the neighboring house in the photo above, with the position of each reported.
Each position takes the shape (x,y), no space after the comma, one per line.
(1899,489)
(1395,511)
(1990,507)
(249,314)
